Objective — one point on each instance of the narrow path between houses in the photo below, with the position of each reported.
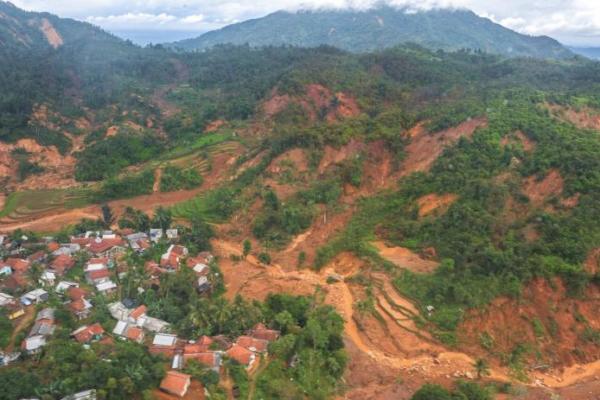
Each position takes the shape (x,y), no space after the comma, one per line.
(22,324)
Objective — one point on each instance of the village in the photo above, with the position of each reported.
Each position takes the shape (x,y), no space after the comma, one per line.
(38,274)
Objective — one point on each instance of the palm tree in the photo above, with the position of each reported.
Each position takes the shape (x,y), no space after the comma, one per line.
(162,218)
(481,367)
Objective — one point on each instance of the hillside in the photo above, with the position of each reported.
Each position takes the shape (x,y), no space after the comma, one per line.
(380,28)
(401,217)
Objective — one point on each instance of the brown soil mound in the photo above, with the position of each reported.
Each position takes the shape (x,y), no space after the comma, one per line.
(546,318)
(275,104)
(435,203)
(518,137)
(538,191)
(332,156)
(404,258)
(424,147)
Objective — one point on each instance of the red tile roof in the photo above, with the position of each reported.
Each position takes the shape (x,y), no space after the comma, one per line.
(53,246)
(176,383)
(37,256)
(18,264)
(100,246)
(98,274)
(98,260)
(75,293)
(138,312)
(134,333)
(77,305)
(208,358)
(62,263)
(252,344)
(261,332)
(87,334)
(240,354)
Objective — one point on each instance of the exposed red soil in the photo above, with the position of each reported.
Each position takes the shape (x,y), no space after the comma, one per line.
(583,118)
(424,147)
(316,99)
(539,191)
(111,131)
(214,125)
(332,156)
(592,262)
(157,179)
(295,156)
(435,203)
(510,323)
(518,137)
(404,258)
(52,36)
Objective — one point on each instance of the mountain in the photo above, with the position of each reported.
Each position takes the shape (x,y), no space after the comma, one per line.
(20,29)
(589,52)
(379,28)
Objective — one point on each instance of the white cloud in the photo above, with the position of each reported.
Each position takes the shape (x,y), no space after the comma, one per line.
(572,21)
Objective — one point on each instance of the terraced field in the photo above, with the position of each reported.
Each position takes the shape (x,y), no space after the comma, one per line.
(33,204)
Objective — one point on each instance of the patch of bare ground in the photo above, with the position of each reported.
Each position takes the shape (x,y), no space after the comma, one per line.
(592,262)
(545,318)
(52,36)
(424,147)
(539,191)
(316,100)
(157,179)
(295,157)
(434,203)
(405,258)
(583,118)
(215,125)
(519,138)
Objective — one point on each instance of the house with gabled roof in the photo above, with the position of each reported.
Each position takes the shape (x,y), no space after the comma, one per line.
(175,383)
(87,334)
(241,355)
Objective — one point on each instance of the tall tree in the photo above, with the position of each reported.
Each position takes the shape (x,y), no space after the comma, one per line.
(107,216)
(162,218)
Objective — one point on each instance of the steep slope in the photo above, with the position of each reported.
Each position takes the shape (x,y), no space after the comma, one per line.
(380,28)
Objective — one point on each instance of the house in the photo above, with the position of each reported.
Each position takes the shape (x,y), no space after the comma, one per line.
(164,344)
(171,234)
(42,328)
(14,311)
(261,332)
(66,249)
(252,344)
(128,331)
(48,278)
(176,383)
(138,241)
(7,358)
(156,235)
(241,355)
(75,293)
(210,359)
(109,247)
(203,284)
(18,265)
(106,287)
(97,276)
(87,334)
(62,263)
(174,255)
(85,395)
(137,313)
(37,257)
(36,296)
(6,299)
(97,263)
(81,308)
(63,286)
(153,324)
(5,270)
(118,311)
(33,344)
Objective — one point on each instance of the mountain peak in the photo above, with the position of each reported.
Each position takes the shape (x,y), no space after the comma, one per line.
(380,27)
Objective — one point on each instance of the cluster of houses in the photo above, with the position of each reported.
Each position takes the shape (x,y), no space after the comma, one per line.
(210,352)
(21,293)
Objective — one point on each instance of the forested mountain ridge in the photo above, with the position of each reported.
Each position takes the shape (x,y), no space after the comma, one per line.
(380,28)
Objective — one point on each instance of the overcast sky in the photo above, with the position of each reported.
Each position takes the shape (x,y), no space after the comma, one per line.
(574,22)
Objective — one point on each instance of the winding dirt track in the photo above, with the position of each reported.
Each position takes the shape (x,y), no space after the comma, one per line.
(438,363)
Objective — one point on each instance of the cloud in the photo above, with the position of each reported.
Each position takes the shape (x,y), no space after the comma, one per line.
(572,21)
